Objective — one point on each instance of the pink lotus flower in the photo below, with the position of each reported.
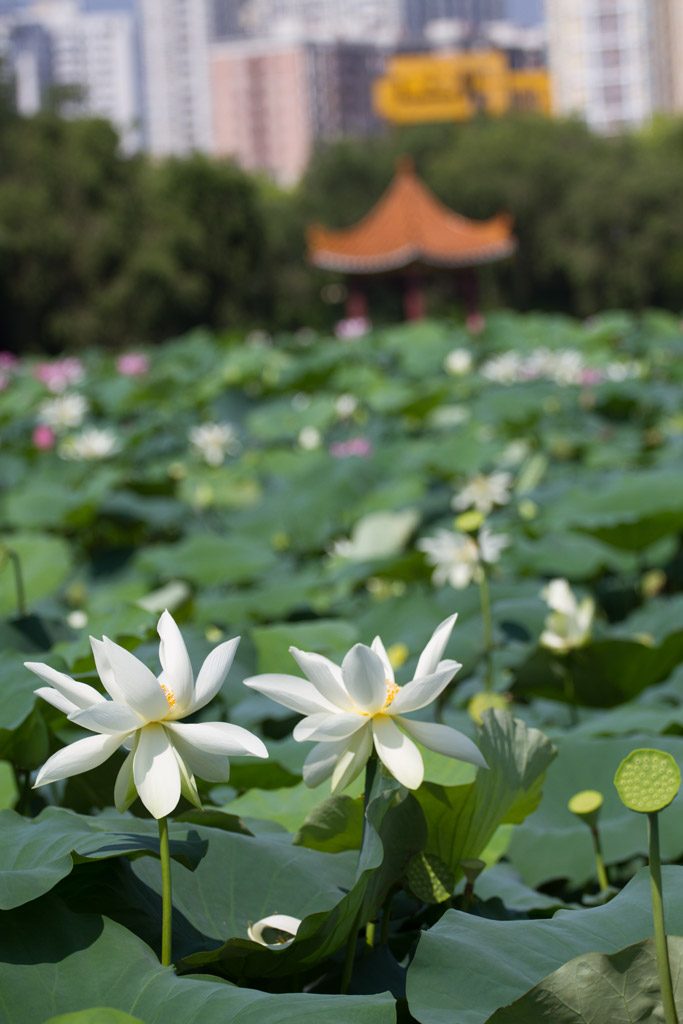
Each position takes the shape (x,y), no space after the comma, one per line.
(8,360)
(132,364)
(356,446)
(591,376)
(351,328)
(475,323)
(57,376)
(43,437)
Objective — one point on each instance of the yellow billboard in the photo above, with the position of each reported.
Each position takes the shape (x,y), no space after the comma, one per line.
(457,86)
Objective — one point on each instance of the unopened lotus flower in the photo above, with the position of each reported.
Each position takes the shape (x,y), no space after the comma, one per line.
(144,716)
(570,621)
(352,708)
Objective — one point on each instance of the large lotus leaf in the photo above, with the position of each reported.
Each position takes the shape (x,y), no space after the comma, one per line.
(245,878)
(225,486)
(284,418)
(53,961)
(289,807)
(629,511)
(620,988)
(502,882)
(66,496)
(208,559)
(45,564)
(331,637)
(35,854)
(17,685)
(462,820)
(604,672)
(96,1015)
(466,967)
(655,621)
(578,557)
(392,826)
(555,844)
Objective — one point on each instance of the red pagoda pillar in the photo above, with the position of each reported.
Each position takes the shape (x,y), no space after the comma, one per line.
(413,297)
(356,299)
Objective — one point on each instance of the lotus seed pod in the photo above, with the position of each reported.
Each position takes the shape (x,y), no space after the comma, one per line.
(429,878)
(647,780)
(586,805)
(472,869)
(469,522)
(482,702)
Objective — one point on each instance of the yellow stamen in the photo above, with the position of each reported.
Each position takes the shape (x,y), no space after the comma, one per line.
(169,695)
(392,690)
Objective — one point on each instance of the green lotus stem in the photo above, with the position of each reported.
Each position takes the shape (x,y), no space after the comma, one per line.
(600,868)
(663,965)
(370,934)
(20,591)
(569,693)
(370,772)
(487,620)
(166,899)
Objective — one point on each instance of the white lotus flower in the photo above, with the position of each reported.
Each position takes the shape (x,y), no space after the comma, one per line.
(349,709)
(457,558)
(484,492)
(279,925)
(214,441)
(458,362)
(569,624)
(144,716)
(309,438)
(90,445)
(345,406)
(64,412)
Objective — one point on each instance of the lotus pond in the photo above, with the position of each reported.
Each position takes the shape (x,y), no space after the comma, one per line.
(315,824)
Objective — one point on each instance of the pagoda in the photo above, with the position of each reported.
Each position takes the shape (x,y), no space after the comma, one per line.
(409,232)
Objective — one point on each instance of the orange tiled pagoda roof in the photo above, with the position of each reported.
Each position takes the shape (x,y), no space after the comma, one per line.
(409,225)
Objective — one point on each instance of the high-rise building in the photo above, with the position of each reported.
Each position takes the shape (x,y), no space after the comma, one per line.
(175,59)
(615,62)
(378,21)
(28,50)
(50,43)
(416,15)
(226,19)
(272,99)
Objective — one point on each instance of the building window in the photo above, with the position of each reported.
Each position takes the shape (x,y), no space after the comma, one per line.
(613,94)
(608,22)
(611,58)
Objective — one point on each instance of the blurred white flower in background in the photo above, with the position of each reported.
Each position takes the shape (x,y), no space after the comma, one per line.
(484,493)
(309,438)
(143,716)
(213,441)
(64,412)
(570,621)
(503,369)
(458,362)
(458,558)
(77,619)
(90,445)
(277,931)
(353,708)
(345,406)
